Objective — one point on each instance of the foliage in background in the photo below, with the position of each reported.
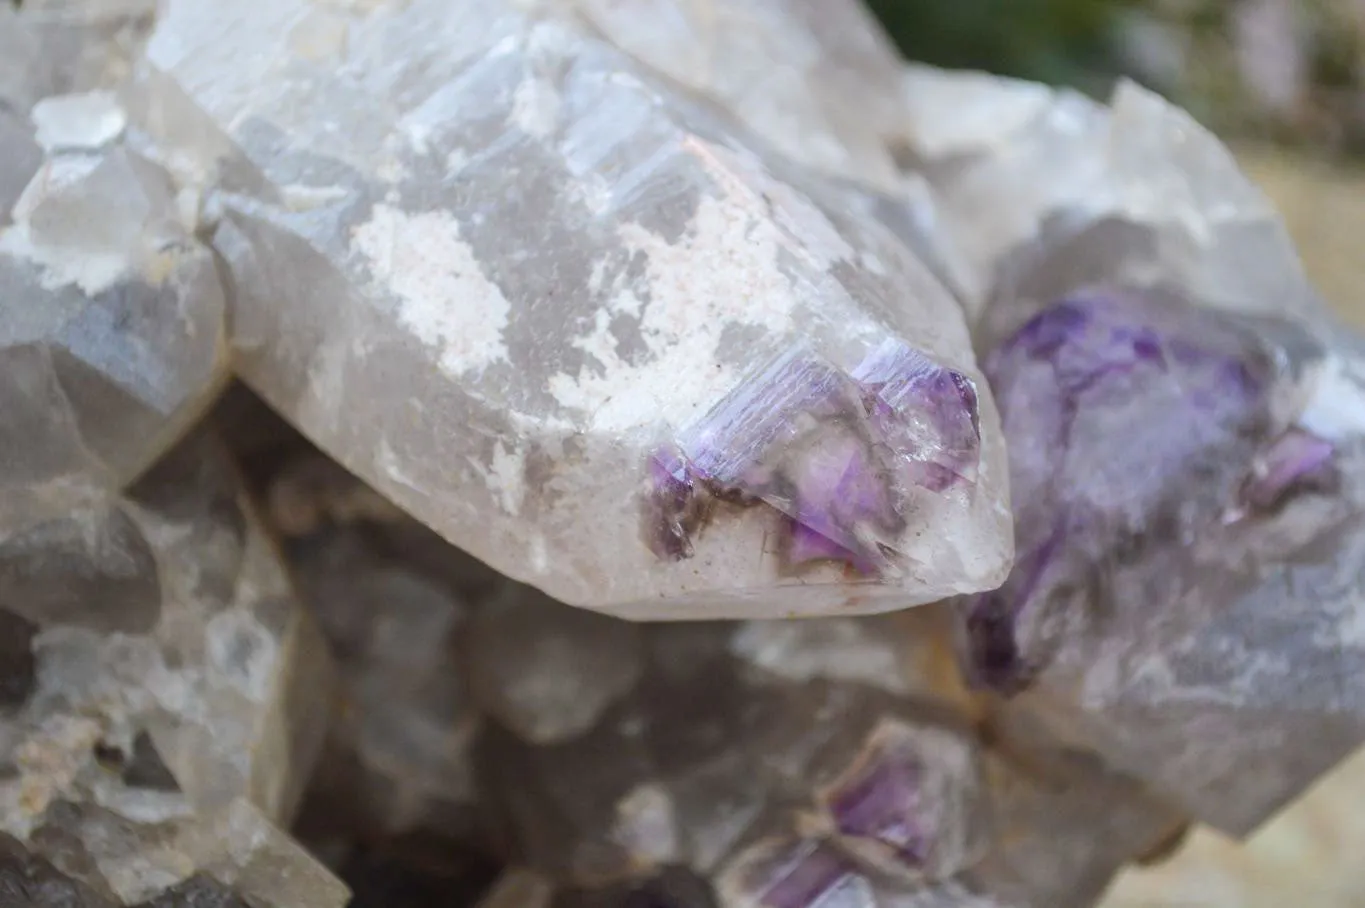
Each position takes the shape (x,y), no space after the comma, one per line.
(1288,70)
(1070,42)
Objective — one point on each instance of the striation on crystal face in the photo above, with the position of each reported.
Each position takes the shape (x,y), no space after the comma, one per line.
(112,321)
(841,456)
(784,68)
(1185,538)
(173,675)
(512,384)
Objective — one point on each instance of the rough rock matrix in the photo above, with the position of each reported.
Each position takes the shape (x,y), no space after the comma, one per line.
(1007,466)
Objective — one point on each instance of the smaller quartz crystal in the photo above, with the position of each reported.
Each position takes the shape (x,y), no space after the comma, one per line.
(398,755)
(112,323)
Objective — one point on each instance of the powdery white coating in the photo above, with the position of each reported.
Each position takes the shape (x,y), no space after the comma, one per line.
(724,274)
(83,121)
(1336,408)
(444,297)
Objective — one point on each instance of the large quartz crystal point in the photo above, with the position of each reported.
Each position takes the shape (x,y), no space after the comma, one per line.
(112,337)
(172,672)
(494,265)
(1189,487)
(1184,427)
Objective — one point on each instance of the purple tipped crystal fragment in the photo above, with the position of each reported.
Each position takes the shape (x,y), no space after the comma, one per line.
(879,798)
(1131,420)
(837,453)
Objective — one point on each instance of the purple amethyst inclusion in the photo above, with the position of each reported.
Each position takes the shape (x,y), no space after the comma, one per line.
(879,800)
(1132,421)
(836,453)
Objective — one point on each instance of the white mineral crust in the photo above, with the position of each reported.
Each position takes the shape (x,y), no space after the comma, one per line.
(489,261)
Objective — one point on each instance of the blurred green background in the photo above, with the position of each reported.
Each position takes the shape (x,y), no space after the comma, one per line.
(1075,42)
(1287,71)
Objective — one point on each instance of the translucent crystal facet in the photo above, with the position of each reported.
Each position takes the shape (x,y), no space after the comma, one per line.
(112,327)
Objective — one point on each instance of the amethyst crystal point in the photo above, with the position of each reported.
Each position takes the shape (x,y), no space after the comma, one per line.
(795,436)
(894,783)
(910,803)
(839,454)
(1187,548)
(879,800)
(925,412)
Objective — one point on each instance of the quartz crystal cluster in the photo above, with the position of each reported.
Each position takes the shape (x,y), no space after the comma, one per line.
(376,377)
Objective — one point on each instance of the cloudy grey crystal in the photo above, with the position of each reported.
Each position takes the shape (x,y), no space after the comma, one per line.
(398,755)
(112,327)
(510,385)
(173,674)
(545,671)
